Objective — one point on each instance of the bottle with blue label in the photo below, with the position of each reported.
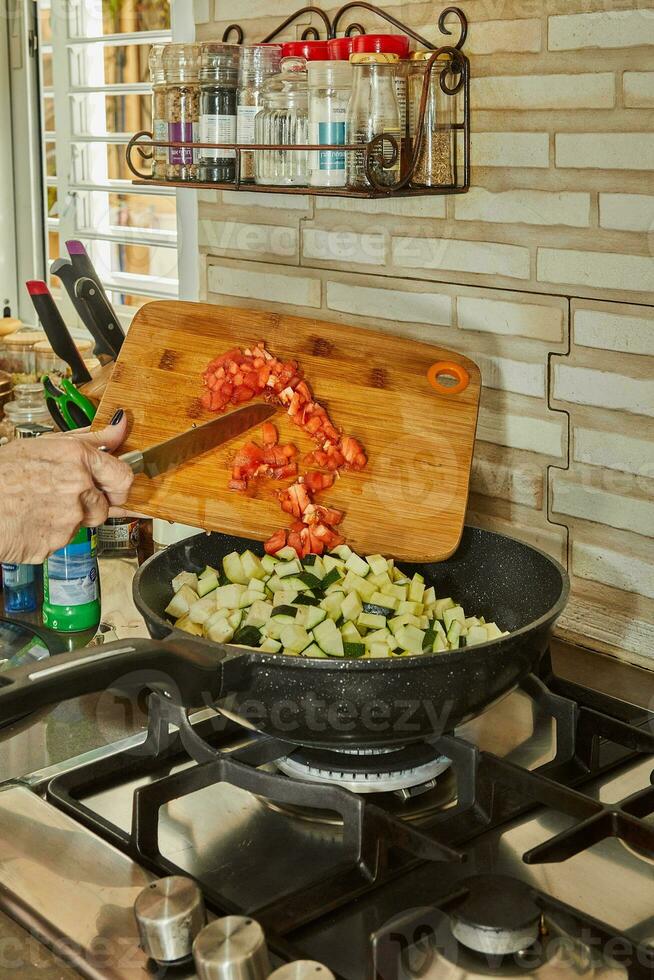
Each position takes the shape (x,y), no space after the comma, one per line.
(19,584)
(330,88)
(71,585)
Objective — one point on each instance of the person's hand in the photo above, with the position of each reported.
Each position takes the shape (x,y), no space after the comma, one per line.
(52,486)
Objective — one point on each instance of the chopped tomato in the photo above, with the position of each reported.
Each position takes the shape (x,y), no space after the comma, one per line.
(270,434)
(276,542)
(240,485)
(353,452)
(315,514)
(316,481)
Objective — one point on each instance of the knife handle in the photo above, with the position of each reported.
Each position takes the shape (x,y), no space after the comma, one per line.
(135,461)
(56,330)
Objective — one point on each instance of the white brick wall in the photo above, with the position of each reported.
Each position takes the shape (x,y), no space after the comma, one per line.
(510,150)
(605,151)
(601,270)
(611,29)
(615,331)
(502,317)
(602,507)
(261,199)
(494,36)
(639,89)
(343,247)
(627,212)
(524,207)
(619,570)
(484,258)
(520,431)
(510,375)
(591,91)
(614,450)
(274,287)
(585,386)
(427,306)
(408,207)
(499,473)
(235,236)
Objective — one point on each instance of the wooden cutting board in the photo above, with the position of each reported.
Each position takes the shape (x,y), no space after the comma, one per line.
(408,503)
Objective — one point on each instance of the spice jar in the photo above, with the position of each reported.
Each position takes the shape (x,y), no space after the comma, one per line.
(17,355)
(330,88)
(182,67)
(309,50)
(373,110)
(218,89)
(47,362)
(258,62)
(28,409)
(436,154)
(159,117)
(340,48)
(284,119)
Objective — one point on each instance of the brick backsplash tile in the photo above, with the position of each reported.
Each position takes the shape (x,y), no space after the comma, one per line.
(428,306)
(520,92)
(614,450)
(638,87)
(261,199)
(264,284)
(486,258)
(412,207)
(510,150)
(523,319)
(521,423)
(604,388)
(495,36)
(343,247)
(269,241)
(524,207)
(599,270)
(620,569)
(605,151)
(573,498)
(602,29)
(509,475)
(612,327)
(506,374)
(627,212)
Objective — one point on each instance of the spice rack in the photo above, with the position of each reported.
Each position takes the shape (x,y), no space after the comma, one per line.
(447,68)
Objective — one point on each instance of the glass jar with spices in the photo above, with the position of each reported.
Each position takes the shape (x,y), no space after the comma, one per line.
(399,44)
(159,118)
(435,161)
(374,111)
(218,101)
(284,119)
(258,62)
(330,88)
(47,362)
(17,355)
(182,68)
(307,49)
(27,409)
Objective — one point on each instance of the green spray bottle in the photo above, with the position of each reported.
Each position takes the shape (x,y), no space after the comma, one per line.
(71,585)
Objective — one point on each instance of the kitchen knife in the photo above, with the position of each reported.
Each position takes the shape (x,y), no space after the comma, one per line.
(102,313)
(57,331)
(103,350)
(84,268)
(171,454)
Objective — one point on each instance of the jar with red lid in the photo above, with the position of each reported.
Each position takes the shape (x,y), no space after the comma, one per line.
(340,48)
(373,112)
(309,50)
(394,44)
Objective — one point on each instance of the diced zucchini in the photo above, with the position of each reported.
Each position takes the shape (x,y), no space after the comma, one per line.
(185,578)
(310,616)
(441,605)
(454,634)
(476,635)
(379,581)
(247,598)
(314,651)
(285,597)
(354,650)
(342,551)
(268,562)
(273,629)
(493,632)
(332,577)
(455,613)
(429,640)
(400,592)
(259,613)
(357,565)
(378,564)
(440,644)
(415,608)
(306,599)
(252,566)
(201,610)
(287,553)
(270,646)
(417,588)
(376,610)
(371,621)
(410,639)
(286,568)
(331,562)
(181,602)
(235,619)
(379,651)
(351,607)
(228,596)
(285,614)
(329,639)
(233,568)
(222,631)
(257,585)
(296,583)
(248,636)
(471,621)
(396,624)
(429,597)
(187,626)
(350,633)
(332,604)
(295,638)
(310,580)
(388,601)
(365,589)
(379,636)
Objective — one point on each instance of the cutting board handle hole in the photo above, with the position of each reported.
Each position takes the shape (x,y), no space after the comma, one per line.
(448,378)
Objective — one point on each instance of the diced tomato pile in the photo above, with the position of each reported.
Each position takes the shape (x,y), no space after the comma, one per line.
(240,375)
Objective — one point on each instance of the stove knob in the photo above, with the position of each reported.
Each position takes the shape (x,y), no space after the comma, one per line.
(233,948)
(169,914)
(302,970)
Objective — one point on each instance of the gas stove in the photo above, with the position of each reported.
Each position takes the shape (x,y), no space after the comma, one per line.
(520,845)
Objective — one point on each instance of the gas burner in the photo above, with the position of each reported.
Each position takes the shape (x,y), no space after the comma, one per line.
(409,771)
(498,916)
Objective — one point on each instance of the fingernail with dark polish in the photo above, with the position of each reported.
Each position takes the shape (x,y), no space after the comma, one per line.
(117,417)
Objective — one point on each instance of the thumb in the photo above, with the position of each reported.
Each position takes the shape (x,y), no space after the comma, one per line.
(111,437)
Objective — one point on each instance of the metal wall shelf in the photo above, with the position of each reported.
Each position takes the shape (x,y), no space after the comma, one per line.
(448,68)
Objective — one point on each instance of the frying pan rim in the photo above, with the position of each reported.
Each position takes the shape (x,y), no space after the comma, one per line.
(403,663)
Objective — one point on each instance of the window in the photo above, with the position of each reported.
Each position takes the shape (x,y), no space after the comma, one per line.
(94,94)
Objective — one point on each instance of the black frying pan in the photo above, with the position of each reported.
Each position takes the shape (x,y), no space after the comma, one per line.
(329,703)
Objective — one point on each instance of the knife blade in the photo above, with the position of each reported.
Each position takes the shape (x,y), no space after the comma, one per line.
(63,269)
(193,443)
(56,330)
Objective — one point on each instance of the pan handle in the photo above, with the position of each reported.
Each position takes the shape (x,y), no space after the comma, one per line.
(189,672)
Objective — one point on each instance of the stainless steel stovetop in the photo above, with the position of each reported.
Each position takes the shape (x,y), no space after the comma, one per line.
(285,864)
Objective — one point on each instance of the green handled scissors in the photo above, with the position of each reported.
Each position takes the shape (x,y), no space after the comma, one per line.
(69,408)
